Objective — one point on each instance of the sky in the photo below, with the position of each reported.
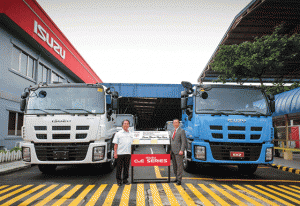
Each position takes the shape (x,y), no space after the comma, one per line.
(144,41)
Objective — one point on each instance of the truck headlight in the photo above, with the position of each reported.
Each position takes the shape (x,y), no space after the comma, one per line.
(98,153)
(269,154)
(26,154)
(200,152)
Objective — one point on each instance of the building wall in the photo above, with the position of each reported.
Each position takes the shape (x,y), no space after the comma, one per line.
(15,53)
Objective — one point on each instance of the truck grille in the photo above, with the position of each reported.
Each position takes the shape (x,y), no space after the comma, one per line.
(76,151)
(221,151)
(217,132)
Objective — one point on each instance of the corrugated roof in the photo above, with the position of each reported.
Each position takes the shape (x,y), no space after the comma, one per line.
(287,102)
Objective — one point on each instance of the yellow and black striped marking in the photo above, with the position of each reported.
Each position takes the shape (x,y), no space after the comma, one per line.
(288,169)
(159,194)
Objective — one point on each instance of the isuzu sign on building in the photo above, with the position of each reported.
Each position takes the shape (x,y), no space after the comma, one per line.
(45,36)
(29,17)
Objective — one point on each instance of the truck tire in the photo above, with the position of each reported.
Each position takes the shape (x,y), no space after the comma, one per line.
(247,169)
(47,169)
(188,165)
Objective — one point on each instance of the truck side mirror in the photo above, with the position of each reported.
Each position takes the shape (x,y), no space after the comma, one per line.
(22,105)
(272,105)
(115,101)
(184,96)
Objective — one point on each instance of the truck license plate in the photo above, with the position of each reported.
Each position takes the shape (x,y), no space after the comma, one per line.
(60,155)
(236,154)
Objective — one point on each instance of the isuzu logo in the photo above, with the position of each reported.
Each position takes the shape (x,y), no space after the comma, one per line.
(44,35)
(237,120)
(60,120)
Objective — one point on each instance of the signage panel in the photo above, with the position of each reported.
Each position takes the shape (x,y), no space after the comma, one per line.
(138,160)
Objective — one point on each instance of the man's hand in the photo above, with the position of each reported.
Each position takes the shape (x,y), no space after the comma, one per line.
(115,155)
(180,152)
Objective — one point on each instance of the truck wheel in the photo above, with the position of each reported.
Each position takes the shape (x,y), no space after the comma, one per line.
(247,169)
(109,166)
(188,165)
(47,169)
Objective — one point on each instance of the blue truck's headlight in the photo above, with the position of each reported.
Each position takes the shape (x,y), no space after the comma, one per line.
(98,153)
(200,152)
(269,154)
(26,154)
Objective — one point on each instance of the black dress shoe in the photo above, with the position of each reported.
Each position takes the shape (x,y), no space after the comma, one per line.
(178,182)
(119,184)
(126,182)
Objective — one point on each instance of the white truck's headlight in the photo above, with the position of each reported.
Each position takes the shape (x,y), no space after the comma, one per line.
(26,154)
(269,154)
(98,153)
(200,152)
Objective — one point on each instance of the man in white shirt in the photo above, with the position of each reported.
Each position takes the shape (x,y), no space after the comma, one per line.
(122,152)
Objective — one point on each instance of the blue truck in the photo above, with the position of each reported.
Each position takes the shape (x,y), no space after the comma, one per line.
(227,124)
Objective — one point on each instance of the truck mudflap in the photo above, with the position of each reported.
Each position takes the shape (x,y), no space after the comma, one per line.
(232,153)
(64,153)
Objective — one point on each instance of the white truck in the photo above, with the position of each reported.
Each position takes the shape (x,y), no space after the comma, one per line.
(121,117)
(68,124)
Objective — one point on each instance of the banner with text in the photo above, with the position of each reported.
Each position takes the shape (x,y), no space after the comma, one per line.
(150,160)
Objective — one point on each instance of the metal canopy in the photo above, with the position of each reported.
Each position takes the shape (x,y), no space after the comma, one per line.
(258,18)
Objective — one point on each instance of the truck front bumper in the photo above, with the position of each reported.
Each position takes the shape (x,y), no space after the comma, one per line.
(223,154)
(60,155)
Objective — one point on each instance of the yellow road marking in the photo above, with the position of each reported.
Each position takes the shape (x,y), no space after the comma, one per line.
(10,188)
(14,192)
(82,195)
(140,196)
(282,190)
(67,196)
(111,195)
(242,195)
(226,194)
(96,195)
(289,188)
(23,195)
(170,195)
(51,196)
(215,196)
(28,201)
(256,195)
(279,194)
(3,186)
(184,195)
(199,195)
(125,195)
(269,195)
(155,195)
(157,172)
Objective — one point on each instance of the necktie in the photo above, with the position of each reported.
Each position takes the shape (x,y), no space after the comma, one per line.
(174,134)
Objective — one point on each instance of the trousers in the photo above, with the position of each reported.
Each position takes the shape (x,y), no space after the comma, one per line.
(177,161)
(123,162)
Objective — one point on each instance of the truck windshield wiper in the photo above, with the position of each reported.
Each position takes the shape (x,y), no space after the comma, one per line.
(87,111)
(40,110)
(256,112)
(215,112)
(59,110)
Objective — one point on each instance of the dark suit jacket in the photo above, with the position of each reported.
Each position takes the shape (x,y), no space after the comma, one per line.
(179,143)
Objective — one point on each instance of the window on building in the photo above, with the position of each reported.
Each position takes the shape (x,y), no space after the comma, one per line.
(23,62)
(43,73)
(15,123)
(56,78)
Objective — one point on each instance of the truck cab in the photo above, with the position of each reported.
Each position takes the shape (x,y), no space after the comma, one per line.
(227,124)
(68,124)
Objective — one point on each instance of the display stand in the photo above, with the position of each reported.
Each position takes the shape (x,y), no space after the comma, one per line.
(146,160)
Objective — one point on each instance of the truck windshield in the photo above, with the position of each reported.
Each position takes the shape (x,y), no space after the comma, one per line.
(66,100)
(245,101)
(120,119)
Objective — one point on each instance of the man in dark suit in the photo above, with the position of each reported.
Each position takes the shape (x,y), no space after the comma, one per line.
(178,146)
